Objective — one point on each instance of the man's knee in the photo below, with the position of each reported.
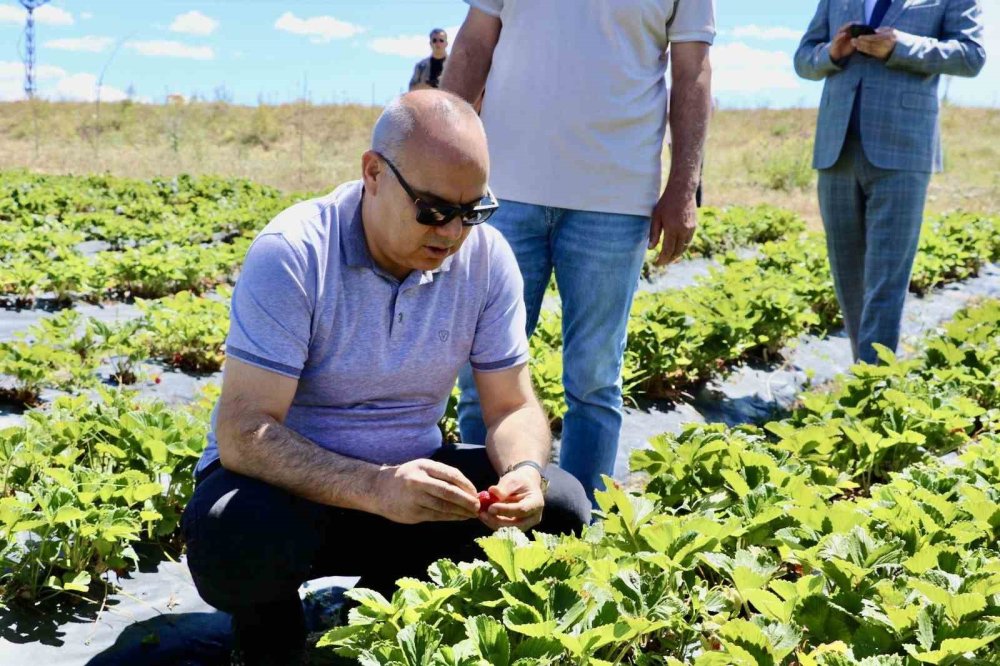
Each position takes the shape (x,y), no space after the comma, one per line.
(567,508)
(247,541)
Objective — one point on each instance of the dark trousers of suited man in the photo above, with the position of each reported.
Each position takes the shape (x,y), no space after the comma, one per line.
(877,142)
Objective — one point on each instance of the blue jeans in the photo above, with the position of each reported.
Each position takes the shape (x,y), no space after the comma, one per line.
(597,258)
(872,218)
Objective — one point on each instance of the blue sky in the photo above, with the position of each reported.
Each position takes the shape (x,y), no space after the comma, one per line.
(355,50)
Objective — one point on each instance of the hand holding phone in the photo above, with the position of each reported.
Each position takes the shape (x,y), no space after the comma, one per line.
(858,29)
(842,44)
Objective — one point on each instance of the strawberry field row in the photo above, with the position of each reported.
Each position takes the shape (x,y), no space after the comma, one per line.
(66,351)
(157,237)
(748,309)
(87,478)
(163,236)
(834,538)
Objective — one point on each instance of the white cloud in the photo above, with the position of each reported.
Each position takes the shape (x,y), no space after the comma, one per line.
(765,32)
(45,15)
(737,67)
(49,15)
(11,14)
(88,44)
(194,23)
(320,29)
(83,88)
(407,46)
(12,78)
(171,49)
(11,69)
(56,84)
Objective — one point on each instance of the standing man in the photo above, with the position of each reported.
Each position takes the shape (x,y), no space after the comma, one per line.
(575,112)
(427,72)
(877,142)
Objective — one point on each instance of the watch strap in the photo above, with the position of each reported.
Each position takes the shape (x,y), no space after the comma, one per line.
(536,466)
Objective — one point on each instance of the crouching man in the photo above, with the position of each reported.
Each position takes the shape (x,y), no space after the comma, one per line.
(350,321)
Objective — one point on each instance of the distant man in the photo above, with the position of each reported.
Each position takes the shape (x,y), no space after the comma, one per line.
(351,318)
(877,142)
(427,72)
(575,111)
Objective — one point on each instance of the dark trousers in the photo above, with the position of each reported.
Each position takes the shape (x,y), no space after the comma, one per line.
(251,545)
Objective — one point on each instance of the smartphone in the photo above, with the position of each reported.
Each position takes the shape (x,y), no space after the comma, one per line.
(859,29)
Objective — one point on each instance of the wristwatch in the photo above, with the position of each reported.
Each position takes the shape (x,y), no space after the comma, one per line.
(538,468)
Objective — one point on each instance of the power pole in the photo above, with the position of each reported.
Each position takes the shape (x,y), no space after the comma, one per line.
(29,41)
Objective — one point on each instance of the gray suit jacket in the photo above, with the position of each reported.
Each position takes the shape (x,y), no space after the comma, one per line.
(899,97)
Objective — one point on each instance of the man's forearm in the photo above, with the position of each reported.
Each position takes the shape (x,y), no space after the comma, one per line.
(690,108)
(467,69)
(264,449)
(521,435)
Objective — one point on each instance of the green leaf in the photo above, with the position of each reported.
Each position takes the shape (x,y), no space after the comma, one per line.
(419,642)
(770,605)
(79,582)
(68,514)
(490,639)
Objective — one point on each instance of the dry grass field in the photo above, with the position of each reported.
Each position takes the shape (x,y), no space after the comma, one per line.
(753,156)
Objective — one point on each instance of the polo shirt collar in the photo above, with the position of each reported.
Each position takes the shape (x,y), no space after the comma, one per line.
(357,254)
(355,246)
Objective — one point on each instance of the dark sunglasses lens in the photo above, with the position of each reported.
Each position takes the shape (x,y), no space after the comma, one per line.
(479,216)
(437,217)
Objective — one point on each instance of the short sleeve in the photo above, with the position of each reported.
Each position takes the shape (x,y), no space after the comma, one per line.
(491,7)
(693,21)
(272,306)
(501,341)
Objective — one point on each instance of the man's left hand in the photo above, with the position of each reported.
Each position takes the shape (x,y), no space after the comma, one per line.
(879,45)
(675,218)
(519,500)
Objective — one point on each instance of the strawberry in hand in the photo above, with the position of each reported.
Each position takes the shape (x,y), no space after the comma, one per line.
(486,499)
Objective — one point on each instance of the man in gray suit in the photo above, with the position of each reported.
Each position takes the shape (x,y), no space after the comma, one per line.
(877,142)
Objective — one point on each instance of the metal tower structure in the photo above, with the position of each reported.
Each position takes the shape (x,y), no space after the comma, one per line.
(29,43)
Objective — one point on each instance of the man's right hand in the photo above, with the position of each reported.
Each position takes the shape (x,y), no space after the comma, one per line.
(423,491)
(842,45)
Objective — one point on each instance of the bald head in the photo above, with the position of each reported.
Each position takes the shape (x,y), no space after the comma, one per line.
(431,124)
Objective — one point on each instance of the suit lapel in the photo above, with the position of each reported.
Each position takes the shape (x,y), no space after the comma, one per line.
(895,9)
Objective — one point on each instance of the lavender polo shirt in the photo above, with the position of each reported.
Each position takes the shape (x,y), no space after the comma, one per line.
(375,358)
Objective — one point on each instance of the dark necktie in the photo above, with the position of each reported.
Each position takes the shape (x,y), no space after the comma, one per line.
(881,7)
(854,124)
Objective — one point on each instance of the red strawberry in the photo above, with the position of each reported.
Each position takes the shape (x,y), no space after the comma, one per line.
(486,499)
(156,379)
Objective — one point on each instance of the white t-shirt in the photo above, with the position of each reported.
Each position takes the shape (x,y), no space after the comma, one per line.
(576,99)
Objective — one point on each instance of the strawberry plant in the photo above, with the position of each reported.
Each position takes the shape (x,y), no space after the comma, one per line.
(84,481)
(748,546)
(51,354)
(186,331)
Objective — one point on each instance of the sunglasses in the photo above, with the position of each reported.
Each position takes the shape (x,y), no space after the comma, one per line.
(438,40)
(438,215)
